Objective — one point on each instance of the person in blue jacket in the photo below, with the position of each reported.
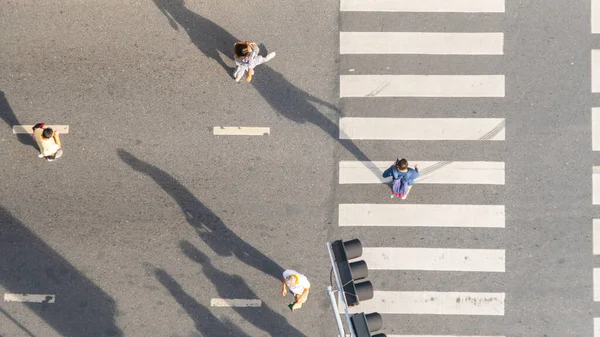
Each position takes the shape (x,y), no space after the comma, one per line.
(400,170)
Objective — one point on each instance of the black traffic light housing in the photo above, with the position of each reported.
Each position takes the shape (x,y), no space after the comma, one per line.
(350,272)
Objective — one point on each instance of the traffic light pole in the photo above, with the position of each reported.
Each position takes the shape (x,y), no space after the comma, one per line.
(343,298)
(336,312)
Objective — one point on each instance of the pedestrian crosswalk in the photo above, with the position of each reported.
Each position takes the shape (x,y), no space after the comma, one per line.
(393,86)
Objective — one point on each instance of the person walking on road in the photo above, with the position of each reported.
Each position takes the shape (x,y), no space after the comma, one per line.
(298,285)
(247,57)
(48,142)
(403,177)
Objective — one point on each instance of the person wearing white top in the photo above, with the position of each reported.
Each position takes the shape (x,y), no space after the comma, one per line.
(48,142)
(298,285)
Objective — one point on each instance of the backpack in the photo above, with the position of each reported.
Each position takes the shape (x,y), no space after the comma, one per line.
(400,186)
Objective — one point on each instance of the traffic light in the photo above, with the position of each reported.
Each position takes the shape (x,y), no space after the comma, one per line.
(350,272)
(363,324)
(353,291)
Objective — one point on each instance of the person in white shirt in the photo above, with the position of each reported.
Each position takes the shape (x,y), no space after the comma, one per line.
(48,141)
(298,285)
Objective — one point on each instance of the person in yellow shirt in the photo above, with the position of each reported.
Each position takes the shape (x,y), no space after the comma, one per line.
(298,285)
(48,142)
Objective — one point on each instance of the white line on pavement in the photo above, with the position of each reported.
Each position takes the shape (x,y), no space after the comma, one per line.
(421,215)
(595,70)
(421,85)
(596,185)
(228,302)
(240,131)
(436,336)
(38,298)
(596,284)
(424,43)
(422,128)
(595,20)
(595,129)
(596,240)
(461,6)
(433,303)
(596,327)
(431,172)
(27,129)
(439,259)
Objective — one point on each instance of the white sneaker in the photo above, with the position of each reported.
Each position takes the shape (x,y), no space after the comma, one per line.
(270,56)
(40,155)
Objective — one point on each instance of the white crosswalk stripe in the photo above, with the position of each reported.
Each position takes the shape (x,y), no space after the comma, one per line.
(595,70)
(421,85)
(596,185)
(477,260)
(421,43)
(430,172)
(392,86)
(595,20)
(464,6)
(596,129)
(425,215)
(433,303)
(422,128)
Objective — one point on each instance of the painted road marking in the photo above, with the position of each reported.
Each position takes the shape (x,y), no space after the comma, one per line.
(595,70)
(228,302)
(460,6)
(421,215)
(596,327)
(240,131)
(421,43)
(436,336)
(421,85)
(596,240)
(27,129)
(422,128)
(439,259)
(596,284)
(430,172)
(595,129)
(38,298)
(433,303)
(595,17)
(596,185)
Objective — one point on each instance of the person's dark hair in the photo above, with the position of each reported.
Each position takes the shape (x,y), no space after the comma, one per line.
(402,164)
(48,133)
(240,50)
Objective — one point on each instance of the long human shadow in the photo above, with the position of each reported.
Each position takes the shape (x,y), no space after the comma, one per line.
(288,100)
(8,116)
(233,286)
(205,34)
(208,225)
(206,322)
(30,266)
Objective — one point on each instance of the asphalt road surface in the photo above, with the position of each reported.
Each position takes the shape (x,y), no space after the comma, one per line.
(149,220)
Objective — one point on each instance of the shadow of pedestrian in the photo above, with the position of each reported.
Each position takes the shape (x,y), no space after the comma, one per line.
(288,100)
(234,286)
(209,226)
(205,321)
(8,116)
(205,34)
(29,266)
